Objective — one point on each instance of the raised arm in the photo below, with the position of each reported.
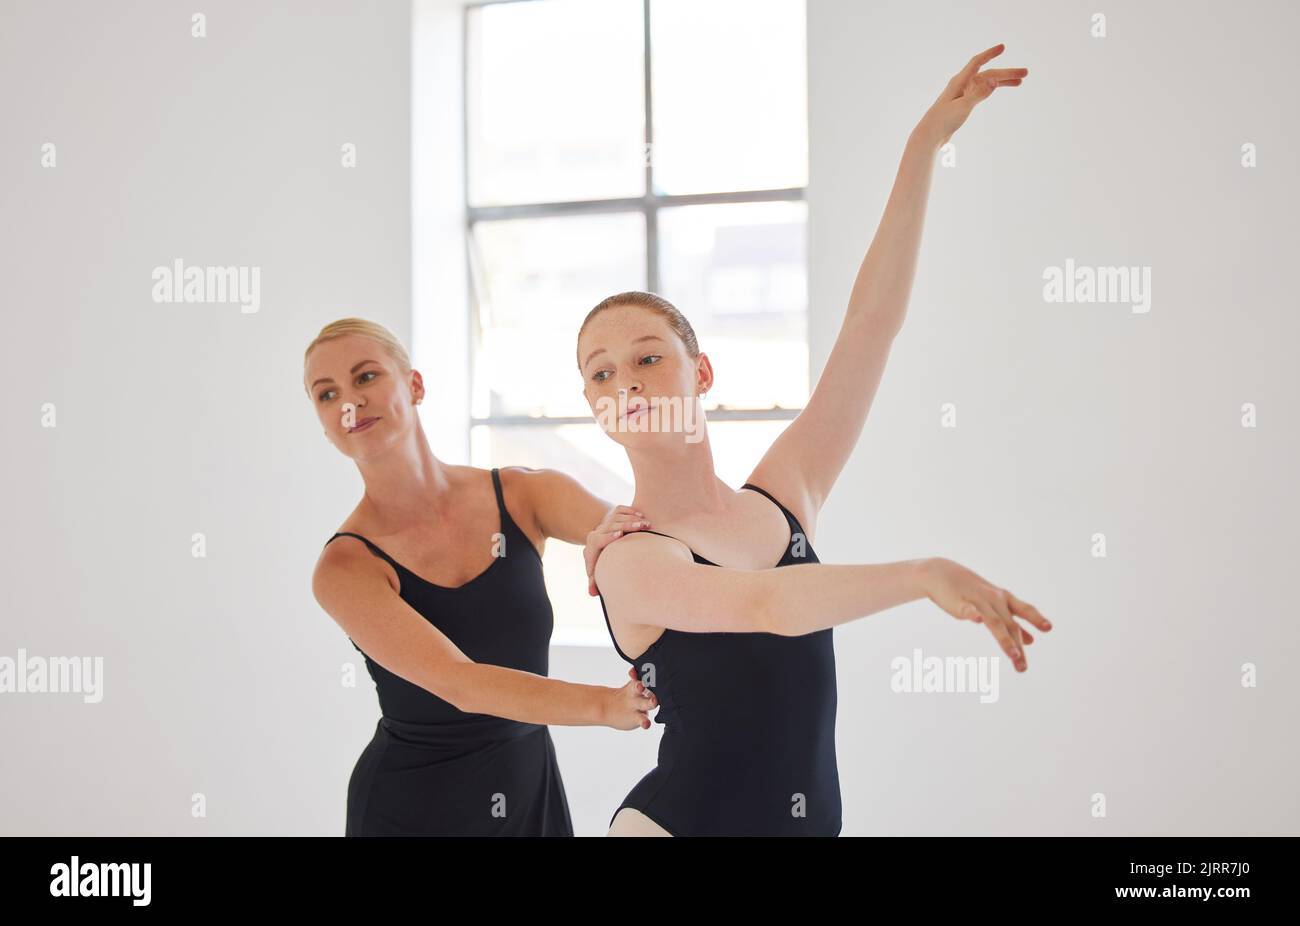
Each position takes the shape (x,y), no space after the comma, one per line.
(651,581)
(804,462)
(355,592)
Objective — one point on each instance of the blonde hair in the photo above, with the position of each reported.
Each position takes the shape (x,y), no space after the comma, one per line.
(657,304)
(366,329)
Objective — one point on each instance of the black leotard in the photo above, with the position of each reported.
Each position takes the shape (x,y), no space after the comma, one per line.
(432,769)
(748,747)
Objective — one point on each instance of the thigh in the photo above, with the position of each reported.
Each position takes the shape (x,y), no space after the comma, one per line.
(632,822)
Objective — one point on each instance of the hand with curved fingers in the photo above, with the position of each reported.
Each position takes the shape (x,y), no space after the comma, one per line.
(631,705)
(968,87)
(618,521)
(969,597)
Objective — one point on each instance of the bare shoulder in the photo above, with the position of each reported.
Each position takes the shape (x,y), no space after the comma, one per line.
(515,481)
(522,477)
(519,488)
(344,558)
(534,486)
(634,573)
(639,558)
(652,581)
(533,481)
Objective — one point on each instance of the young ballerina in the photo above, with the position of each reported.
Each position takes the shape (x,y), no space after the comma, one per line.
(455,624)
(725,609)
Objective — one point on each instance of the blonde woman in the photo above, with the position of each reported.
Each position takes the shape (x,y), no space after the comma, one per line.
(436,577)
(725,610)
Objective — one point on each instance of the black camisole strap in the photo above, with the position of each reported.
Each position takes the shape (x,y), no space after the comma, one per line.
(373,549)
(507,522)
(795,526)
(501,499)
(501,507)
(669,536)
(784,510)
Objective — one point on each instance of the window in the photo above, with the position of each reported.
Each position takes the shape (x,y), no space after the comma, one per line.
(613,145)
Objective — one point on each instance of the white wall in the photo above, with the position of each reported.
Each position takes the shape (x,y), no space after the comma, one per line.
(222,674)
(1074,419)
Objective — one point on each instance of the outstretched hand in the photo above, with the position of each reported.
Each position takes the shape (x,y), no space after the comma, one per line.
(968,596)
(967,88)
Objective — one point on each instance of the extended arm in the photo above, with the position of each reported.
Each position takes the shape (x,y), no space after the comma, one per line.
(804,462)
(652,581)
(354,591)
(562,506)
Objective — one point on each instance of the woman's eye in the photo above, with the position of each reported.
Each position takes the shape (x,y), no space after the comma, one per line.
(601,375)
(322,396)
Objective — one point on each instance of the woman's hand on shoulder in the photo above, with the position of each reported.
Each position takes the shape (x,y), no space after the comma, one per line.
(619,520)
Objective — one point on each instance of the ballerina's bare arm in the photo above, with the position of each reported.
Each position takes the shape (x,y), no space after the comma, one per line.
(561,506)
(803,463)
(652,581)
(354,590)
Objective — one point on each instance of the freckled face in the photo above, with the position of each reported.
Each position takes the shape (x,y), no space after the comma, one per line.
(631,348)
(363,400)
